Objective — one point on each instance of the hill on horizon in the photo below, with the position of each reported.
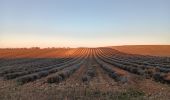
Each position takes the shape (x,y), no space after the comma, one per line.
(153,50)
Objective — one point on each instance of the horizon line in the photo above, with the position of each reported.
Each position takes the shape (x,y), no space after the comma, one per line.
(38,47)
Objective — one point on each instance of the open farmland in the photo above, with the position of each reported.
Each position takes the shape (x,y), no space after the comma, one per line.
(152,50)
(82,73)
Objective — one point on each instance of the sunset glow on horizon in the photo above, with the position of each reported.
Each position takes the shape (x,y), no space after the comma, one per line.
(83,23)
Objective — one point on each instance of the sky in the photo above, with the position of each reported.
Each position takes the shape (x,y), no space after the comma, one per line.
(83,23)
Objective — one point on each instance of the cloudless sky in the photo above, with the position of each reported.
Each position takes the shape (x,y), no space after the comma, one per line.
(77,23)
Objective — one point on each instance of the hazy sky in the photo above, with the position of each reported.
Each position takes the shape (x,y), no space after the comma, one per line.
(74,23)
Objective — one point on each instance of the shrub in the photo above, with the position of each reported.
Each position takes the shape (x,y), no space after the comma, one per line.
(165,70)
(64,74)
(158,76)
(114,75)
(32,77)
(43,73)
(85,78)
(14,75)
(28,78)
(54,79)
(140,72)
(89,74)
(123,79)
(134,70)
